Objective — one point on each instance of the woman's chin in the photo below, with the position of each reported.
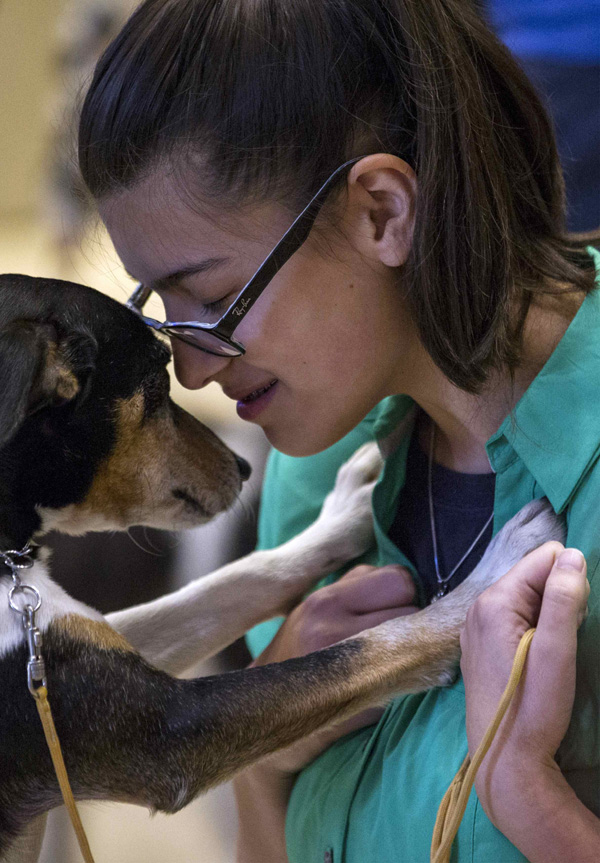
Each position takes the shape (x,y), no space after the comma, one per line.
(300,441)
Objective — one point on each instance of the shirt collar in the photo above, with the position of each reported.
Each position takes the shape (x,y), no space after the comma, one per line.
(393,420)
(554,428)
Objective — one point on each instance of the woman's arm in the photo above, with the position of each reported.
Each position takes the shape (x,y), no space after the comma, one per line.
(519,783)
(361,599)
(261,796)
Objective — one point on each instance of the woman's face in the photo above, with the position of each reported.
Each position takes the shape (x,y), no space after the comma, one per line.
(328,338)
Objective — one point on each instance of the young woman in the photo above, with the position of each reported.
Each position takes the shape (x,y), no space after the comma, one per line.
(423,294)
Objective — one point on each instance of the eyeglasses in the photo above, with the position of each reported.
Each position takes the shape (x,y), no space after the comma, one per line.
(217,338)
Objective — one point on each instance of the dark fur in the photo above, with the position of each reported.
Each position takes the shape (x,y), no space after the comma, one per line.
(132,733)
(112,355)
(68,358)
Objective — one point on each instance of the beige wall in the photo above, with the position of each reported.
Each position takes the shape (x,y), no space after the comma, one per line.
(26,76)
(28,107)
(28,81)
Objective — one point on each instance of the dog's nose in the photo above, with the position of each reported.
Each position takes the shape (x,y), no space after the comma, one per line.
(244,467)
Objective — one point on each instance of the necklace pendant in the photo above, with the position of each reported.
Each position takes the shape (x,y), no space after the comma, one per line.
(441,591)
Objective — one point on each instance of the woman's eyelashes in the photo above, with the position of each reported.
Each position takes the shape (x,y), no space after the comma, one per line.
(195,308)
(216,306)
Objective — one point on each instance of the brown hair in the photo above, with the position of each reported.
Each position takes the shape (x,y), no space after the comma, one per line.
(267,98)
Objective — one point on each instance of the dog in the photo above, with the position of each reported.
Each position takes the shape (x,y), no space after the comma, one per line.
(90,440)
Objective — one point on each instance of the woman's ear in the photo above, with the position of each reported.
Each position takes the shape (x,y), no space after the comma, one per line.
(382,193)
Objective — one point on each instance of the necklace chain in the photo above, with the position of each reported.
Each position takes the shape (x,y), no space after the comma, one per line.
(443,581)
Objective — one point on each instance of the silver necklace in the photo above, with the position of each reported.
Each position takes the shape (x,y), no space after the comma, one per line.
(443,581)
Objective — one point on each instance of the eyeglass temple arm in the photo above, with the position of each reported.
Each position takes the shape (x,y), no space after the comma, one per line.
(293,238)
(138,298)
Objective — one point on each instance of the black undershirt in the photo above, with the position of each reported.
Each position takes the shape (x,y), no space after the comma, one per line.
(462,504)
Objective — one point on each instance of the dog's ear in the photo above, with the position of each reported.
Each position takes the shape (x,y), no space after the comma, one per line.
(38,369)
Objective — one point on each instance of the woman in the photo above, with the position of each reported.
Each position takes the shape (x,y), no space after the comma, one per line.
(426,297)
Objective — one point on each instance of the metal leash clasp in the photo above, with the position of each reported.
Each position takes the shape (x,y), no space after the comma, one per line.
(36,681)
(36,667)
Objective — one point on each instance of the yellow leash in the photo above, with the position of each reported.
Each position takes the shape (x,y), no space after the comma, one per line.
(43,707)
(451,810)
(17,560)
(453,805)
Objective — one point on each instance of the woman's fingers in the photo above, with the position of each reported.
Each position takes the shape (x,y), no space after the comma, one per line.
(519,591)
(565,595)
(550,672)
(361,599)
(365,589)
(548,589)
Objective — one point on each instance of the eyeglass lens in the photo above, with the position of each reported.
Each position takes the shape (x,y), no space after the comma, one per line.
(204,341)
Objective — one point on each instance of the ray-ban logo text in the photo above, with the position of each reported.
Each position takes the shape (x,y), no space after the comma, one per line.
(239,310)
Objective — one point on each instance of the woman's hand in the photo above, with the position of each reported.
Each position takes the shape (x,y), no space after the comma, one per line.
(519,783)
(361,599)
(364,597)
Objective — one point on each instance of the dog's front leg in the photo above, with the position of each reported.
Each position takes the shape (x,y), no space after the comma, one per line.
(132,733)
(177,630)
(27,846)
(422,650)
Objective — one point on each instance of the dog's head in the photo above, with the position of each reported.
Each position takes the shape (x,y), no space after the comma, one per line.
(89,437)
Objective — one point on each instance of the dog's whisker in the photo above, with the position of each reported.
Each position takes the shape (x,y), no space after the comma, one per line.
(148,539)
(152,551)
(248,512)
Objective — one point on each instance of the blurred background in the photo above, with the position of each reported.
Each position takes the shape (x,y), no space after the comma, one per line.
(47,52)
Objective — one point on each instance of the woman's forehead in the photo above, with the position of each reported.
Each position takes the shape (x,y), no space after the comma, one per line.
(157,230)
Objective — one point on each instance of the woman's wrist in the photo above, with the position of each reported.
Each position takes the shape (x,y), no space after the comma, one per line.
(532,804)
(506,778)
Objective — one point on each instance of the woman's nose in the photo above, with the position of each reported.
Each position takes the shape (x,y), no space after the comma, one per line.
(194,368)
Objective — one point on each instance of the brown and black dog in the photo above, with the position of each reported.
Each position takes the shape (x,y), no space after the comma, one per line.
(90,440)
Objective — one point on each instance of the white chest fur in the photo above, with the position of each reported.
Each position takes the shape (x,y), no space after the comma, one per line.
(55,603)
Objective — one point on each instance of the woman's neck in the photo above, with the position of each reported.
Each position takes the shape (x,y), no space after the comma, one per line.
(463,424)
(463,421)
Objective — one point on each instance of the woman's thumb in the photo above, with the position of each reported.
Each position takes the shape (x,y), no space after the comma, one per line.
(565,595)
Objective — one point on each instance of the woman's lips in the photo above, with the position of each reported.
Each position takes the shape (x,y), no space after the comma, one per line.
(252,404)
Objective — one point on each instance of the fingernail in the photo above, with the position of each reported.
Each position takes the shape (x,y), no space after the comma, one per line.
(571,558)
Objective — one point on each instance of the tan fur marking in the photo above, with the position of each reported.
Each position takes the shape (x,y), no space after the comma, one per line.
(151,457)
(58,377)
(116,488)
(94,632)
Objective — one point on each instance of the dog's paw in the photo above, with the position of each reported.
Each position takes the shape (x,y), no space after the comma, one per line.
(345,524)
(533,525)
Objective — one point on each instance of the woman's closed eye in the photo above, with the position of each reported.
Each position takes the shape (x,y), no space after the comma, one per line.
(196,309)
(216,307)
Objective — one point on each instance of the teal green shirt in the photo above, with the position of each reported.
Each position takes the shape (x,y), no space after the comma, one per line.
(373,796)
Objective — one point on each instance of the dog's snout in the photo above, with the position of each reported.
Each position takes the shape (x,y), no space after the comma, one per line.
(244,468)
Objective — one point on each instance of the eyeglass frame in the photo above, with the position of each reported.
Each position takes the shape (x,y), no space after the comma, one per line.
(223,329)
